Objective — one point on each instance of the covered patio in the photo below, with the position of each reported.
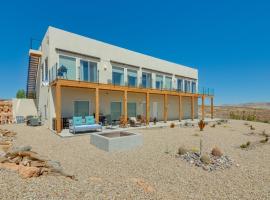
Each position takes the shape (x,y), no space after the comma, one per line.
(125,92)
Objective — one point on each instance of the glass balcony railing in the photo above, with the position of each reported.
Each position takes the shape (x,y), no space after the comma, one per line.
(57,73)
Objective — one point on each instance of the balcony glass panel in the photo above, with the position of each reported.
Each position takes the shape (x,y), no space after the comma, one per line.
(146,80)
(168,83)
(159,82)
(193,87)
(117,76)
(132,78)
(67,67)
(179,84)
(187,86)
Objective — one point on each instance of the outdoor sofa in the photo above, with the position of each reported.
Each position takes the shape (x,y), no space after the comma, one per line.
(78,124)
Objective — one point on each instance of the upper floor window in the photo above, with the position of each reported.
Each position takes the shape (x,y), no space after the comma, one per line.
(67,67)
(132,78)
(180,84)
(117,76)
(168,83)
(88,71)
(146,80)
(187,86)
(159,81)
(193,87)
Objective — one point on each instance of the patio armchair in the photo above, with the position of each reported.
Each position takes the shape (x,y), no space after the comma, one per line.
(77,125)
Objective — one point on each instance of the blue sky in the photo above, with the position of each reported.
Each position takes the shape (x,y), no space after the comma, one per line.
(228,41)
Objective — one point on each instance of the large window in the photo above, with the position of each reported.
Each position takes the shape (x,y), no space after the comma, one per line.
(81,108)
(159,81)
(116,110)
(132,78)
(187,86)
(180,84)
(168,83)
(146,80)
(193,87)
(69,64)
(131,109)
(88,71)
(117,76)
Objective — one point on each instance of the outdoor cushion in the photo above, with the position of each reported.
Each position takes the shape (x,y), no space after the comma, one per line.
(89,120)
(77,121)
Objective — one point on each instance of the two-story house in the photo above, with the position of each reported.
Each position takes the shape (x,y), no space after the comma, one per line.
(71,75)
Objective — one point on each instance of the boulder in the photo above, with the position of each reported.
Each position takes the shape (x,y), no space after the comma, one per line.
(28,172)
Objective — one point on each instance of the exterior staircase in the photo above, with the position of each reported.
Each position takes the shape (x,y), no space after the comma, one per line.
(34,60)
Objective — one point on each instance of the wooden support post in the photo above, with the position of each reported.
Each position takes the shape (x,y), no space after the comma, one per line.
(58,108)
(202,107)
(212,107)
(192,108)
(125,106)
(165,108)
(180,107)
(147,108)
(97,105)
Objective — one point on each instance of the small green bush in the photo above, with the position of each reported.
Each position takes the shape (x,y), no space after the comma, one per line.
(205,159)
(182,150)
(264,140)
(246,145)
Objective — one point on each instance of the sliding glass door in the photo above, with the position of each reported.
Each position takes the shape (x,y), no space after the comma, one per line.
(116,110)
(88,71)
(81,108)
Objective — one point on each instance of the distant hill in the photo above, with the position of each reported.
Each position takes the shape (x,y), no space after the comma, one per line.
(261,111)
(262,105)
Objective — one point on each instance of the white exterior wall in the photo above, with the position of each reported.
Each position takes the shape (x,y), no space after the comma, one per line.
(105,54)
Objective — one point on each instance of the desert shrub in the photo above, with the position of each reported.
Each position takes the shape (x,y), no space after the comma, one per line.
(219,123)
(205,159)
(213,126)
(264,140)
(194,150)
(201,125)
(265,134)
(216,152)
(155,120)
(246,145)
(182,150)
(172,125)
(246,124)
(252,128)
(243,146)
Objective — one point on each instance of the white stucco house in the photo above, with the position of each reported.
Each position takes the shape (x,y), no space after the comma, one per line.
(72,75)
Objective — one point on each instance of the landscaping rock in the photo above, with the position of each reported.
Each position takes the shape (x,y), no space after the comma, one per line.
(216,152)
(207,162)
(28,172)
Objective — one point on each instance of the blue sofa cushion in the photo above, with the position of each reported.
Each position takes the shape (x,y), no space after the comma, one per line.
(89,120)
(77,121)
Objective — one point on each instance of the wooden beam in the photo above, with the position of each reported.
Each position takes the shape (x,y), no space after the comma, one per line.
(147,108)
(165,112)
(212,107)
(180,107)
(97,105)
(202,107)
(58,108)
(192,108)
(125,106)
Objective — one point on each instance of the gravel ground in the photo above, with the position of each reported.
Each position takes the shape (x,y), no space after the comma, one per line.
(147,172)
